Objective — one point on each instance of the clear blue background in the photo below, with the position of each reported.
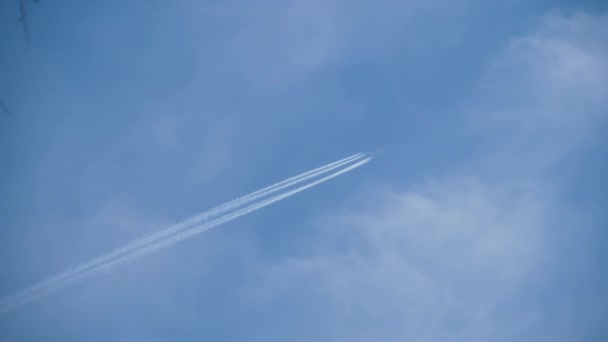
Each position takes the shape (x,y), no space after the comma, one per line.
(483,220)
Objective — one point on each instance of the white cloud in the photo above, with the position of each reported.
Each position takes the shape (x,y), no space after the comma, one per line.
(273,44)
(430,264)
(548,93)
(269,44)
(464,257)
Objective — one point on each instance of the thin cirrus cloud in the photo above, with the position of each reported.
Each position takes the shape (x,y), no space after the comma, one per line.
(472,256)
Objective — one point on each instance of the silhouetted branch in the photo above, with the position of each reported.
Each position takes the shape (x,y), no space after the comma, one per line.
(23,18)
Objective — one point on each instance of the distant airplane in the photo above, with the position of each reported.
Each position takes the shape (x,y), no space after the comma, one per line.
(379,150)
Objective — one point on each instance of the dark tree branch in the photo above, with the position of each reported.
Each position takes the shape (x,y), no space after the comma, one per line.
(23,20)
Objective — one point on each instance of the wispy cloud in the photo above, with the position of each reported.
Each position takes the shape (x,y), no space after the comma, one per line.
(469,256)
(547,93)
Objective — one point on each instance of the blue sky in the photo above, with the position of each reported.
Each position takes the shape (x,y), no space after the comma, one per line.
(484,219)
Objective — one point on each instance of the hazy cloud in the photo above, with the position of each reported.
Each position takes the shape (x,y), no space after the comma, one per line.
(468,256)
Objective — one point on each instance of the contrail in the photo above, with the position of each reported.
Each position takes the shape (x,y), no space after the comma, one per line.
(196,219)
(231,205)
(70,277)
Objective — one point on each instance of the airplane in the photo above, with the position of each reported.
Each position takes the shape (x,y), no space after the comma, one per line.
(378,150)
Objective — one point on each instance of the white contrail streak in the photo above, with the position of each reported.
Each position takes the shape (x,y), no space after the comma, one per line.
(196,219)
(228,206)
(70,277)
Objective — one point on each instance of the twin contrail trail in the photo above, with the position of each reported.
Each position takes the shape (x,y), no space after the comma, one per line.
(196,219)
(183,230)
